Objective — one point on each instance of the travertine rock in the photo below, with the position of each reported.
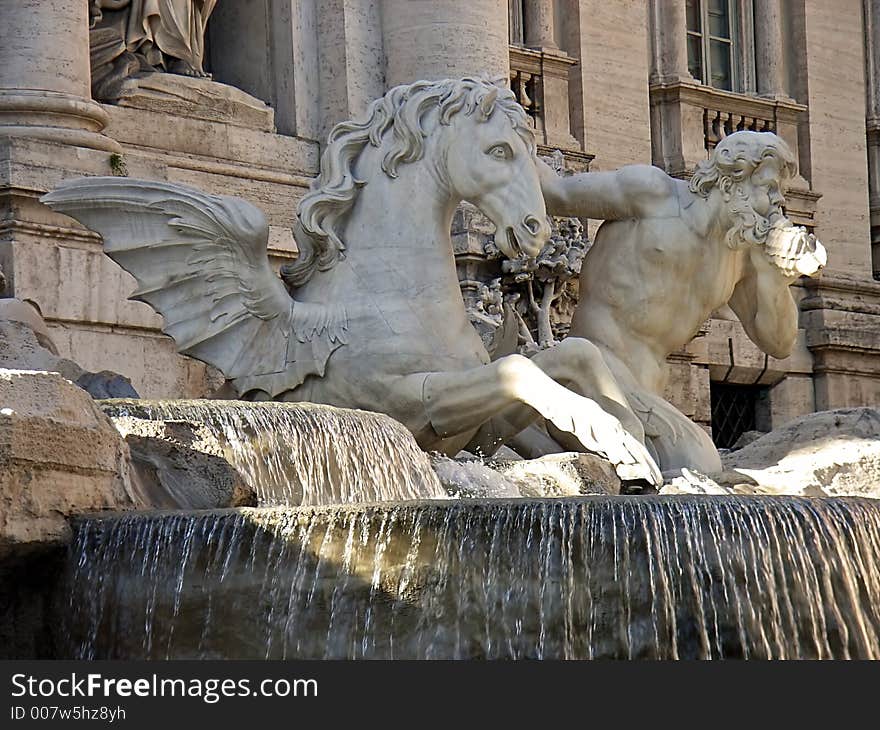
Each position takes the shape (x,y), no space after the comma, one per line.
(59,456)
(691,482)
(562,475)
(168,475)
(180,465)
(831,453)
(16,310)
(25,344)
(20,349)
(556,475)
(746,438)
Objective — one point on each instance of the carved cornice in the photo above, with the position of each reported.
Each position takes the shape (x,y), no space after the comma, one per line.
(839,283)
(802,193)
(44,230)
(843,324)
(555,63)
(697,94)
(836,342)
(577,156)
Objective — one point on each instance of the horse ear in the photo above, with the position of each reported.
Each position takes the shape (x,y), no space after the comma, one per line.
(487,103)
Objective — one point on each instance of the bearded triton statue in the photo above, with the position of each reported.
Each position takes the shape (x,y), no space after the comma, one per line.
(670,253)
(129,36)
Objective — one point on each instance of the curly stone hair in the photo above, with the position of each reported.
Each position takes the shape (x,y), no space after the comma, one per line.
(735,158)
(731,163)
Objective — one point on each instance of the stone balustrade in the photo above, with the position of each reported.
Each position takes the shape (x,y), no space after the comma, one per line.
(539,78)
(718,123)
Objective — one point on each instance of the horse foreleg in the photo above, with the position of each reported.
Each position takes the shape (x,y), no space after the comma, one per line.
(515,392)
(578,364)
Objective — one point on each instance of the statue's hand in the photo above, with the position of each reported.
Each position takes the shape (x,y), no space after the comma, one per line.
(794,251)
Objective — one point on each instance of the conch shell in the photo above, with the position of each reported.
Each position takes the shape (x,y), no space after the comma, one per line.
(795,251)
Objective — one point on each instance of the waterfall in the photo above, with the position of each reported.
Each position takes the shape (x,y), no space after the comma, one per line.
(595,577)
(301,453)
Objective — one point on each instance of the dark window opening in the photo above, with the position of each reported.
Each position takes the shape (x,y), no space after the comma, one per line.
(734,411)
(710,42)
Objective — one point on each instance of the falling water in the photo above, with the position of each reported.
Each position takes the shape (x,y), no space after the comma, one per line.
(301,453)
(658,577)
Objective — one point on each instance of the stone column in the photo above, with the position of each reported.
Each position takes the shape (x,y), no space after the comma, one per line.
(670,34)
(45,74)
(769,48)
(539,24)
(872,78)
(427,39)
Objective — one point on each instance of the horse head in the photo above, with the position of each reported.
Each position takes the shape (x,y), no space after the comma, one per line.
(472,135)
(489,155)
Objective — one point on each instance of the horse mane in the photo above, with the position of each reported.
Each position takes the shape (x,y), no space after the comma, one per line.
(402,112)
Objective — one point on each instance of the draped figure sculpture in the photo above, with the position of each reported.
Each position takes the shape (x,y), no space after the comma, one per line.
(131,36)
(372,316)
(671,252)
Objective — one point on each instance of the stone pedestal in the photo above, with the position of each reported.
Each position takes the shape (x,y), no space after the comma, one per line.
(195,98)
(44,74)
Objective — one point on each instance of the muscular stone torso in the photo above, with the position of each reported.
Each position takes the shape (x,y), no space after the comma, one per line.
(647,285)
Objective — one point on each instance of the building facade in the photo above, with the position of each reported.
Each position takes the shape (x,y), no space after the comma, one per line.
(606,84)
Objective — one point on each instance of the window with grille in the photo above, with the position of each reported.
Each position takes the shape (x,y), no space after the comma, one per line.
(734,411)
(711,43)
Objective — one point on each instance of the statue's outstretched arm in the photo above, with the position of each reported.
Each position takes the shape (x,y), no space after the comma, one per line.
(634,191)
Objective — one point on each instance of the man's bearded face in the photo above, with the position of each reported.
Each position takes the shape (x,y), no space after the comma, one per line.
(755,205)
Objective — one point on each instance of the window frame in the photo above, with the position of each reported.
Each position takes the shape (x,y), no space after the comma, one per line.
(742,42)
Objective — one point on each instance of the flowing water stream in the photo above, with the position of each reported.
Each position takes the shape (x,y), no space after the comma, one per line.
(301,453)
(594,577)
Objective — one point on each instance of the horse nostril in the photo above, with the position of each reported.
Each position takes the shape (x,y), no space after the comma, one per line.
(532,224)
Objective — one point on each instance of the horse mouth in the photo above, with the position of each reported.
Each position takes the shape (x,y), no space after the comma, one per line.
(513,242)
(529,246)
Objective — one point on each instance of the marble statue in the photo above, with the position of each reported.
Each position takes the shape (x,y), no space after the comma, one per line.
(668,254)
(130,36)
(371,315)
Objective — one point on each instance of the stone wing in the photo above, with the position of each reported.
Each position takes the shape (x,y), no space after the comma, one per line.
(200,261)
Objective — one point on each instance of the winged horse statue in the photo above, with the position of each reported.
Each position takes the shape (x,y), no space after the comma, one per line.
(370,315)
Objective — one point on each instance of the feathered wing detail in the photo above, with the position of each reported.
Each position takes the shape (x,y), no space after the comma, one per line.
(200,261)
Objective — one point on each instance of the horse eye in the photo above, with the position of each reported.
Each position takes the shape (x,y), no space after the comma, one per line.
(501,151)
